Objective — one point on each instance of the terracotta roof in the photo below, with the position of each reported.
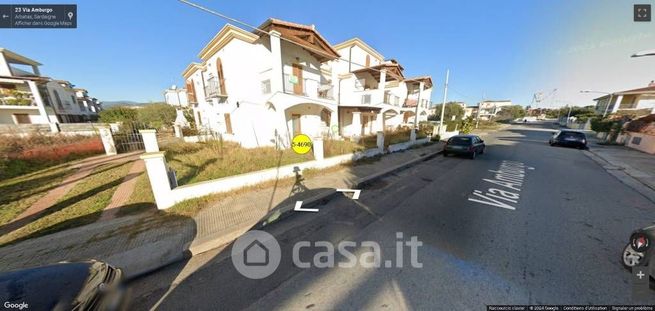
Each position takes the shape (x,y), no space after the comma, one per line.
(302,35)
(426,79)
(394,71)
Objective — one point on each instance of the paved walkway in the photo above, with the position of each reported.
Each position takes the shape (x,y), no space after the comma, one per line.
(84,168)
(141,243)
(123,192)
(637,164)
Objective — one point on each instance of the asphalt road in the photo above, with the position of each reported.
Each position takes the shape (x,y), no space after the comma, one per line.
(561,244)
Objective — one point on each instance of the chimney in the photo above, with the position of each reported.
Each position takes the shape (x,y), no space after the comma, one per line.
(652,83)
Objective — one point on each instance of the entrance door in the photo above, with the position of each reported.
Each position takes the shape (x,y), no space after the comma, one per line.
(297,72)
(295,120)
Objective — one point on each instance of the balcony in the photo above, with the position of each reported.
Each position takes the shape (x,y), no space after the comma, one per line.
(308,87)
(213,89)
(10,97)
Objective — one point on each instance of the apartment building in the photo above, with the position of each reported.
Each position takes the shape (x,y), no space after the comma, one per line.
(262,88)
(488,109)
(640,101)
(176,97)
(27,97)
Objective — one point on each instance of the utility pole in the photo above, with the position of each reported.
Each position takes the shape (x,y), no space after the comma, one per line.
(443,104)
(477,120)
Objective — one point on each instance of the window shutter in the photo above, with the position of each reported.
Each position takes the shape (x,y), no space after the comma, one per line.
(191,91)
(368,60)
(221,77)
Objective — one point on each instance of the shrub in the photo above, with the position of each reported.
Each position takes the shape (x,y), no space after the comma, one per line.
(157,115)
(118,114)
(600,125)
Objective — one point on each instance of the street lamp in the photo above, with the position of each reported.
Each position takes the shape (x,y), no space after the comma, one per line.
(608,102)
(644,53)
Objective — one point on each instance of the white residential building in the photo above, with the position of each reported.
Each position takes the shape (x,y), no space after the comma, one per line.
(640,101)
(176,97)
(26,97)
(488,109)
(260,89)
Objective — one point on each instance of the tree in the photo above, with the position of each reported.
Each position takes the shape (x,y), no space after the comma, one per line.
(157,115)
(452,109)
(511,112)
(467,126)
(118,114)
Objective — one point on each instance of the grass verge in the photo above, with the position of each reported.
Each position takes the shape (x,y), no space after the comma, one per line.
(82,205)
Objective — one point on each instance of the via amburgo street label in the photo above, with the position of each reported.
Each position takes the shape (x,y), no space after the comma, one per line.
(505,187)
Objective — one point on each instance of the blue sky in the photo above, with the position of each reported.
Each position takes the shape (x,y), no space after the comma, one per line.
(132,50)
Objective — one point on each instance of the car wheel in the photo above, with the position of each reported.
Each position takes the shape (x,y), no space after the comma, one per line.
(631,258)
(472,156)
(445,154)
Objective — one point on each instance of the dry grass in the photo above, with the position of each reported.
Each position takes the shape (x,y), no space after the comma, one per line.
(19,193)
(195,162)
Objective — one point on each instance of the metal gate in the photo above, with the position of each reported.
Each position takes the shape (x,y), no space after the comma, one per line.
(127,137)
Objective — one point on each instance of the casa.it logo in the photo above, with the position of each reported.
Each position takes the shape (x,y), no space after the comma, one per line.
(257,254)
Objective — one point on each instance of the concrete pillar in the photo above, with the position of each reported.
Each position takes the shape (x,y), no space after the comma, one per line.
(383,81)
(107,140)
(41,106)
(379,122)
(317,147)
(412,135)
(277,77)
(150,140)
(617,104)
(178,130)
(380,141)
(158,174)
(356,127)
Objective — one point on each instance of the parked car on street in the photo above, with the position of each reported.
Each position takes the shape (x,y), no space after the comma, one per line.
(569,138)
(469,145)
(89,285)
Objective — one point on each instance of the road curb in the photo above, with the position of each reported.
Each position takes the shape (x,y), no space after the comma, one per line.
(223,238)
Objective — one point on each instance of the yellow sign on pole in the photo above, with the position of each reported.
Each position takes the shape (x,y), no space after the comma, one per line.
(301,144)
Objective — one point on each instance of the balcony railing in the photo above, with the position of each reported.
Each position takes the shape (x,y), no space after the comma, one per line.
(308,87)
(213,88)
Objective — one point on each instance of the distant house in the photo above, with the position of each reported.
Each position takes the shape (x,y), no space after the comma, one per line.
(27,97)
(490,108)
(640,101)
(176,97)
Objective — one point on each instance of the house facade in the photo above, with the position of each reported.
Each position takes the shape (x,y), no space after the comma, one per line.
(26,97)
(176,97)
(640,101)
(488,109)
(263,88)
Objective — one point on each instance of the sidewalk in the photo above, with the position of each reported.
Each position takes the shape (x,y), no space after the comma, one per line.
(142,243)
(625,163)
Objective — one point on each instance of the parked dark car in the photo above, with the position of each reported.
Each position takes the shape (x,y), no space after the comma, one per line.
(569,138)
(469,145)
(89,285)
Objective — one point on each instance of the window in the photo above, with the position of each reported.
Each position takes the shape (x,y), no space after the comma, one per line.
(58,99)
(366,99)
(266,86)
